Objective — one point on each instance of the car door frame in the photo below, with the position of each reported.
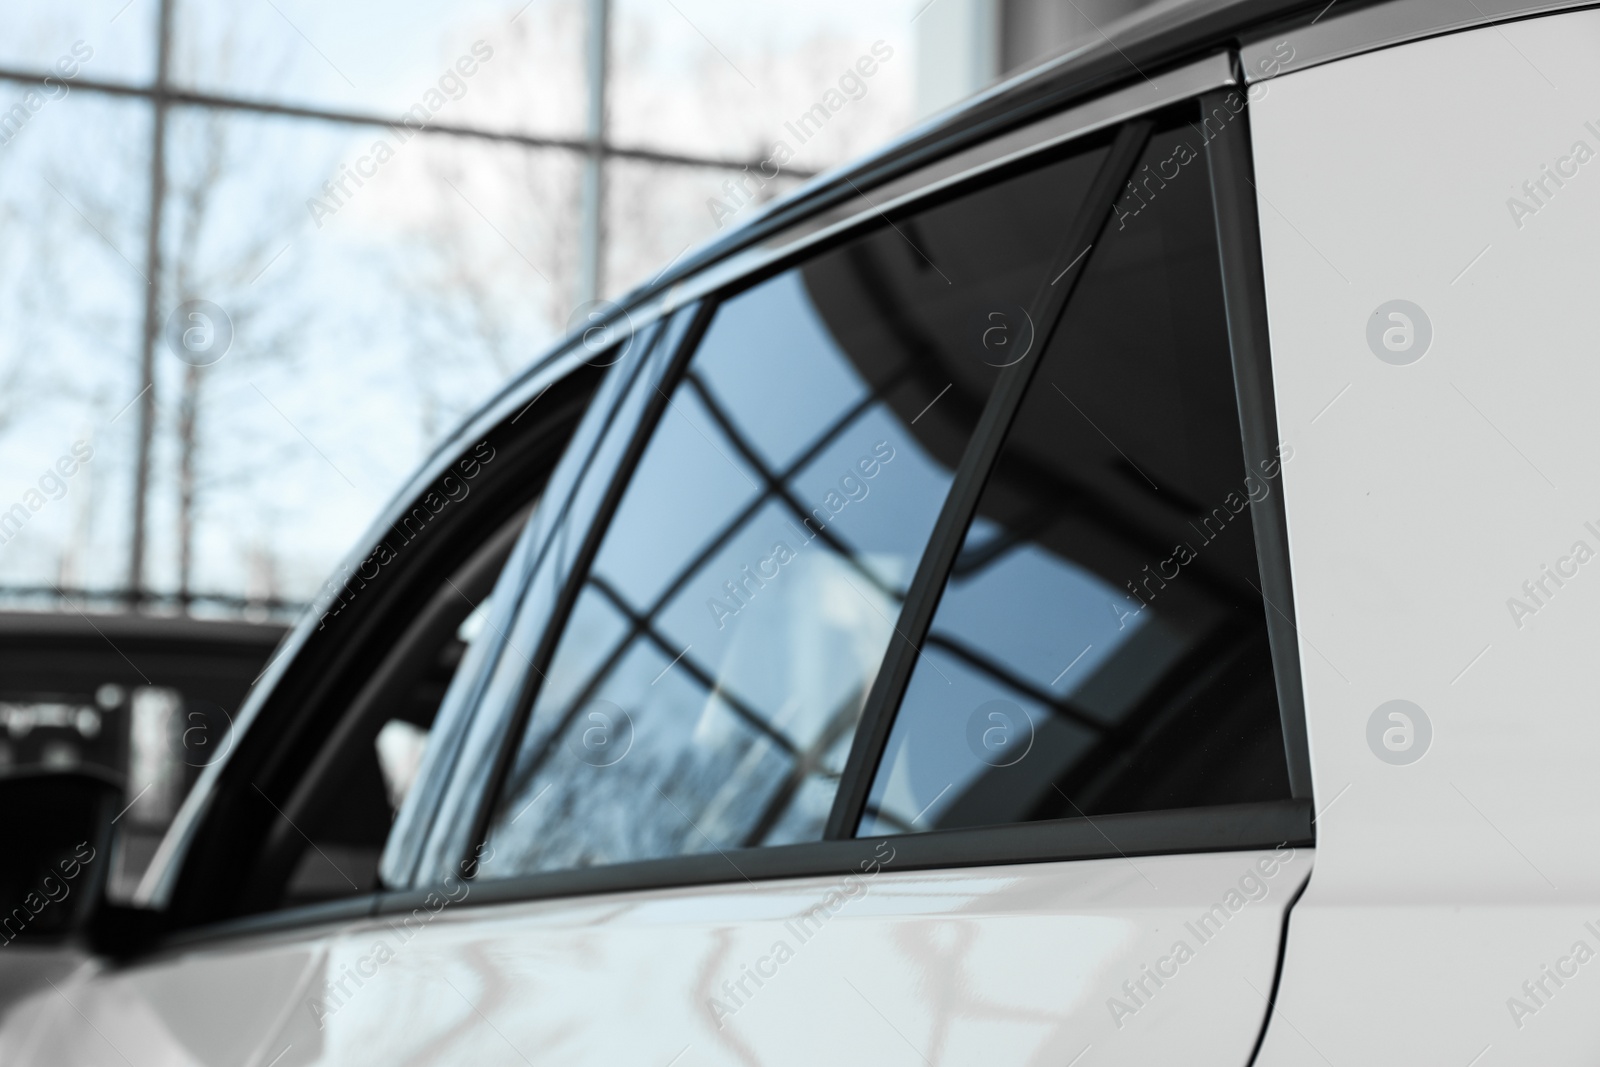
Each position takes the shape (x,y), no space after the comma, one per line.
(1214,81)
(1210,80)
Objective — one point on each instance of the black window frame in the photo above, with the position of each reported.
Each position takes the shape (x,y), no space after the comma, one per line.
(325,662)
(1181,831)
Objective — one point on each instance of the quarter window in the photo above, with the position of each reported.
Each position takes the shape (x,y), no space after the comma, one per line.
(1101,643)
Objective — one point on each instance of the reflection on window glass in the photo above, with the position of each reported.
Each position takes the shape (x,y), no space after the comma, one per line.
(705,691)
(1101,645)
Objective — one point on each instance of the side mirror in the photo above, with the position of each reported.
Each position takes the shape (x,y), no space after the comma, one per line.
(55,851)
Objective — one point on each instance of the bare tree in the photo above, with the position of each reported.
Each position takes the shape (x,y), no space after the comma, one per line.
(197,272)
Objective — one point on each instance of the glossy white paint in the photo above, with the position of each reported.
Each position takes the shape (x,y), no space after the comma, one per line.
(214,1006)
(25,968)
(1011,965)
(1420,499)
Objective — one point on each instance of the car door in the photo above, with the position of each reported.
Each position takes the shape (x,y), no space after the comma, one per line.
(921,690)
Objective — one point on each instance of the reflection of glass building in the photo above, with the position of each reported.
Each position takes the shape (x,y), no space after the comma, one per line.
(746,590)
(729,634)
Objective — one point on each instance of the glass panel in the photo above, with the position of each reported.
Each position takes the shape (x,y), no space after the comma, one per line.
(655,213)
(366,316)
(107,40)
(72,289)
(825,80)
(506,65)
(706,690)
(1101,646)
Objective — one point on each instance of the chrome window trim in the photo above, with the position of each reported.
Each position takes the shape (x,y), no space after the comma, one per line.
(1175,85)
(1369,29)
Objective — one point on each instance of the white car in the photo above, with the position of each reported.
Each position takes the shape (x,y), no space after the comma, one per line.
(1101,581)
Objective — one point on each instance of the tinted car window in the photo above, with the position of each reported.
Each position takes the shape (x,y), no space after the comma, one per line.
(434,826)
(361,778)
(705,691)
(1101,644)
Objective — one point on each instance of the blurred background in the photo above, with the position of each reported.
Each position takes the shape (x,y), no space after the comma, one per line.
(387,209)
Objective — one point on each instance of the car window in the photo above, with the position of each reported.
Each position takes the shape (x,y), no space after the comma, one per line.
(437,821)
(345,734)
(1101,643)
(705,692)
(339,817)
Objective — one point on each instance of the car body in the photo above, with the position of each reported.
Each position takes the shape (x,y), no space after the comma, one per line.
(1098,581)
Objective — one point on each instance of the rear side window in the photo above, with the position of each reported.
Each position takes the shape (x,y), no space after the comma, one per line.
(706,691)
(1101,645)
